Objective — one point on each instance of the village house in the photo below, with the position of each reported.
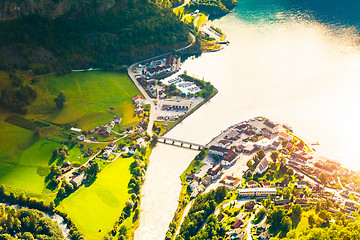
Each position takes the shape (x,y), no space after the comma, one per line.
(117,120)
(272,127)
(193,185)
(249,206)
(66,166)
(77,180)
(232,135)
(331,180)
(81,137)
(262,166)
(229,159)
(230,182)
(251,184)
(138,100)
(223,143)
(285,136)
(257,192)
(112,146)
(140,143)
(132,150)
(241,216)
(236,224)
(88,153)
(264,144)
(301,184)
(215,172)
(206,180)
(266,184)
(250,149)
(276,146)
(215,150)
(107,153)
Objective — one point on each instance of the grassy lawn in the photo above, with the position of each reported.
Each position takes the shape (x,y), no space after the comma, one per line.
(99,206)
(25,158)
(201,20)
(89,95)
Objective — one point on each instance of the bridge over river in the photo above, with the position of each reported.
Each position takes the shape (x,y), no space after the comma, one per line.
(181,143)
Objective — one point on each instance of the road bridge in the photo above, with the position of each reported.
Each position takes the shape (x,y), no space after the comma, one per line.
(181,143)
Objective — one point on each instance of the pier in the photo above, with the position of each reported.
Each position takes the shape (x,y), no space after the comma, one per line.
(181,143)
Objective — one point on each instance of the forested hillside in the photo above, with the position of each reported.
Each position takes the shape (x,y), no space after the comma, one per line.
(129,31)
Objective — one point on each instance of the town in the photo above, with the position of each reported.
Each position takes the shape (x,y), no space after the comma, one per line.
(266,169)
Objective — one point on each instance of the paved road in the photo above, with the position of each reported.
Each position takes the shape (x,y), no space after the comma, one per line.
(182,5)
(142,90)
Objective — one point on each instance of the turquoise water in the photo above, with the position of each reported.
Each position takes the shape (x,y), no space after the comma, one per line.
(292,61)
(285,61)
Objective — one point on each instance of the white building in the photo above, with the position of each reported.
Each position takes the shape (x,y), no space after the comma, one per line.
(264,144)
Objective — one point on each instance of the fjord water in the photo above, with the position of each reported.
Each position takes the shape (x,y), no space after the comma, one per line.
(293,61)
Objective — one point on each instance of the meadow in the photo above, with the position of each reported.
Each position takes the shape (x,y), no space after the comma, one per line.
(96,208)
(92,98)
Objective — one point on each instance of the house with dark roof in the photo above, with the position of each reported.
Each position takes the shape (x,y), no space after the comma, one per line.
(229,159)
(249,206)
(220,151)
(224,143)
(215,172)
(206,180)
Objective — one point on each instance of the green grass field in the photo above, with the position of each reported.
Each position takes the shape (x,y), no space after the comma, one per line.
(100,205)
(24,158)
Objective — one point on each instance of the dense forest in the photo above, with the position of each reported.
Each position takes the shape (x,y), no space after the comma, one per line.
(120,36)
(27,224)
(214,7)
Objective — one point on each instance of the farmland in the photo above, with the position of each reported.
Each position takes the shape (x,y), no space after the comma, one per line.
(92,98)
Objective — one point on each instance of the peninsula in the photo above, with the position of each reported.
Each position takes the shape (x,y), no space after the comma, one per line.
(258,180)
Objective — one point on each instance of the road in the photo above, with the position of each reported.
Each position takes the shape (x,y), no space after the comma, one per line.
(142,90)
(182,5)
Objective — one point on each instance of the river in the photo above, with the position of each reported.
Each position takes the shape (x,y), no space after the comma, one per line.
(295,63)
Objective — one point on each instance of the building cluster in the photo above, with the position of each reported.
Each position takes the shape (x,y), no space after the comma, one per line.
(138,104)
(185,87)
(167,65)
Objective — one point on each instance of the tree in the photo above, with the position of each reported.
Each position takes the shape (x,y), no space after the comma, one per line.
(318,207)
(274,156)
(296,210)
(275,216)
(261,154)
(290,172)
(323,178)
(286,224)
(60,100)
(311,220)
(273,166)
(154,141)
(250,164)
